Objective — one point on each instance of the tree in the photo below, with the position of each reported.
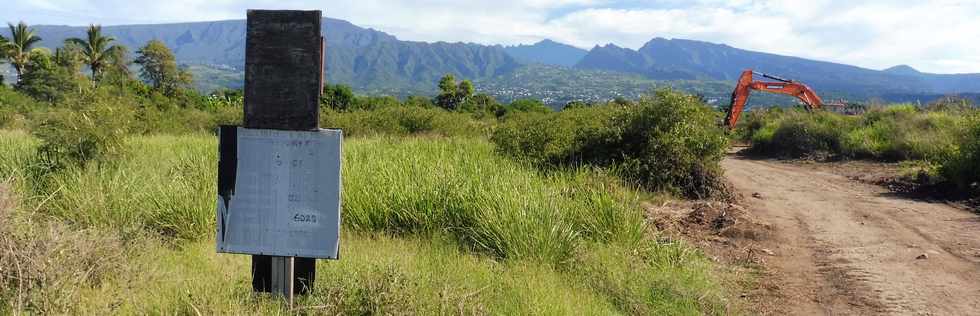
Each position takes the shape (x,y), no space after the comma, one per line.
(464,91)
(575,104)
(3,54)
(44,80)
(418,102)
(159,68)
(18,48)
(97,50)
(452,95)
(528,105)
(69,57)
(338,97)
(481,104)
(447,85)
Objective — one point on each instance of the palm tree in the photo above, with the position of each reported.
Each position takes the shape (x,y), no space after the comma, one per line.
(3,47)
(97,50)
(18,48)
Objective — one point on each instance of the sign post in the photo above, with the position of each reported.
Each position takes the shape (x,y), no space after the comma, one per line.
(279,174)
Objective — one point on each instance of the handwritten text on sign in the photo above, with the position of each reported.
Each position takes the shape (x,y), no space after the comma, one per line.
(282,197)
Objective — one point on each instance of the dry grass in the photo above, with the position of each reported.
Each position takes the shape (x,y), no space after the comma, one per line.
(44,263)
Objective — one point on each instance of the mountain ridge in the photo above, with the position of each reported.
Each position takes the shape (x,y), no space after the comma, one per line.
(682,59)
(373,61)
(547,52)
(367,59)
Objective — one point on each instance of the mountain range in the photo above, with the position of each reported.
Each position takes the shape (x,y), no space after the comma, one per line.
(375,62)
(547,52)
(367,59)
(672,59)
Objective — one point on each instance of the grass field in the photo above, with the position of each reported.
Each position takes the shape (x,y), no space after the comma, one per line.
(432,225)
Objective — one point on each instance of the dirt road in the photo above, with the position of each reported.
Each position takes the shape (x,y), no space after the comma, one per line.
(840,247)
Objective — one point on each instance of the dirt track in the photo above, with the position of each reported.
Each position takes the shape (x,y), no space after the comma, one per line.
(840,247)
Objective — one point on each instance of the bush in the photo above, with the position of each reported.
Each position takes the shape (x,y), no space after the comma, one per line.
(963,168)
(904,133)
(943,139)
(524,105)
(895,133)
(14,107)
(89,128)
(797,134)
(401,121)
(668,141)
(556,139)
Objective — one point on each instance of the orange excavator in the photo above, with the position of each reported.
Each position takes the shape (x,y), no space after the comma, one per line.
(781,86)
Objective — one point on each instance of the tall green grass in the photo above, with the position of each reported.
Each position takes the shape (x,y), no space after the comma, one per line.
(166,184)
(385,275)
(431,225)
(489,203)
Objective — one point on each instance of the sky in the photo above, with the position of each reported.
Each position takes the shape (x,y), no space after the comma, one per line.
(940,36)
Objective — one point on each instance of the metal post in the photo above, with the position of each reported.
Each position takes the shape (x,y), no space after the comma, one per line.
(283,82)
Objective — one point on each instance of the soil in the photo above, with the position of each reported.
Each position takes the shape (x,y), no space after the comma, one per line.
(831,243)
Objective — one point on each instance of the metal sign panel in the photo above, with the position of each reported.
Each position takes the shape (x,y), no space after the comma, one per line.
(279,192)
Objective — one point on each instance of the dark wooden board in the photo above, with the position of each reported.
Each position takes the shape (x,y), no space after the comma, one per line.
(283,63)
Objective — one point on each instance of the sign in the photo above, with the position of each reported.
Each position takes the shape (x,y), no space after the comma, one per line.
(283,69)
(279,192)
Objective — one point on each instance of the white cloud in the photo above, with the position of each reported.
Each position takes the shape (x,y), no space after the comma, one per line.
(937,36)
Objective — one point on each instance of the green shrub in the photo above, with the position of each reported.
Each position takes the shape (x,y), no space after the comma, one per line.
(894,133)
(559,138)
(400,121)
(904,133)
(524,106)
(799,134)
(90,128)
(14,107)
(668,141)
(757,123)
(942,141)
(963,168)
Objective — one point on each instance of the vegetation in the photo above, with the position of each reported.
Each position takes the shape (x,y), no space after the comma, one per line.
(158,67)
(109,169)
(98,52)
(668,141)
(941,136)
(19,47)
(467,231)
(452,95)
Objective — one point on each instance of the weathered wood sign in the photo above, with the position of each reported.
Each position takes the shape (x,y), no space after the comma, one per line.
(279,192)
(283,82)
(283,69)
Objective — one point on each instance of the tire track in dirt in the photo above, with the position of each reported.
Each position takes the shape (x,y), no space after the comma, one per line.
(847,248)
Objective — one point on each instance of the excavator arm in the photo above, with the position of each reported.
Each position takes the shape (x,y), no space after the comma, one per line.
(781,86)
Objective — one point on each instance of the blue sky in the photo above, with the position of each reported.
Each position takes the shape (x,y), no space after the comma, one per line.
(937,36)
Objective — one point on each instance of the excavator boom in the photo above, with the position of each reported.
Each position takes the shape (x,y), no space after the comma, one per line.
(782,86)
